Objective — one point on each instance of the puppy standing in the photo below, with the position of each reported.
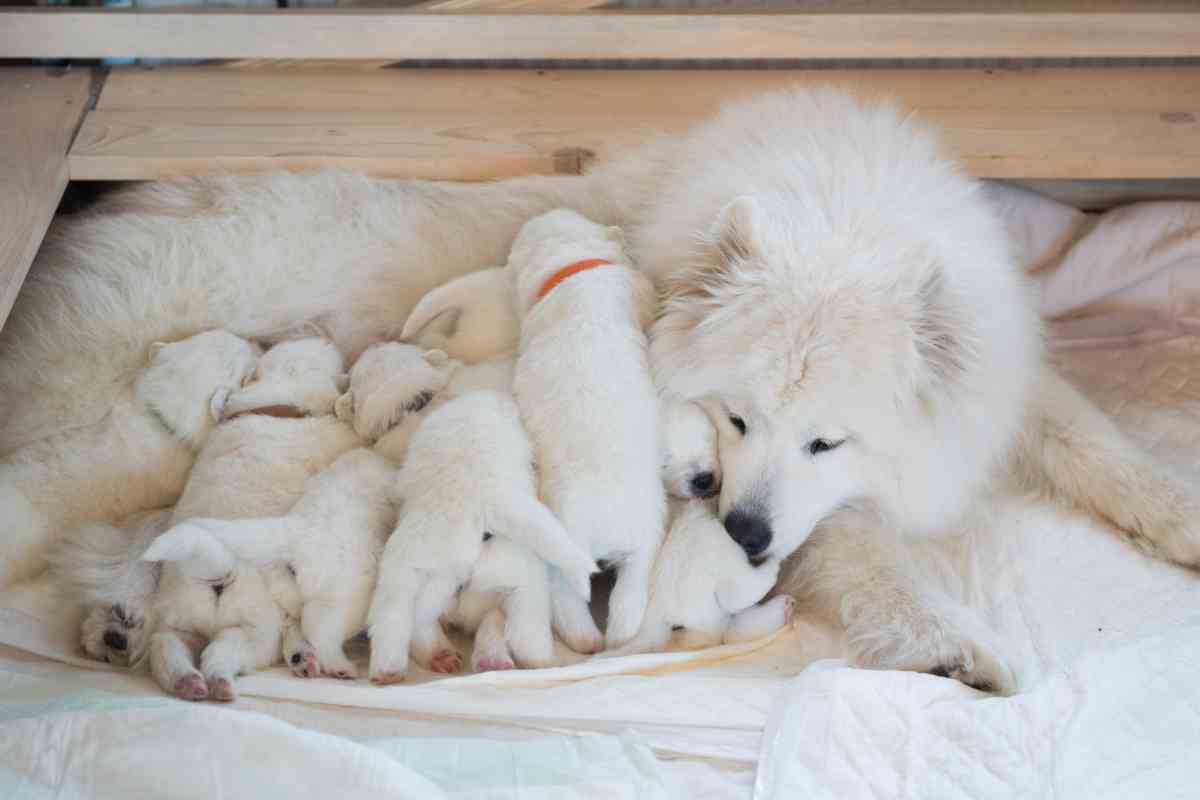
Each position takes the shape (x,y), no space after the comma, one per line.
(280,430)
(136,459)
(584,388)
(333,536)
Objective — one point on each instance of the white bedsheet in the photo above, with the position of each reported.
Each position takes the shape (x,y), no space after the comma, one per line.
(1106,645)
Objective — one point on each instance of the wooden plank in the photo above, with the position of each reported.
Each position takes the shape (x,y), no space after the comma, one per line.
(486,6)
(126,145)
(41,112)
(638,92)
(353,34)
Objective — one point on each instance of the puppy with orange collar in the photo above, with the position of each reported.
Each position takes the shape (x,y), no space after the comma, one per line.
(587,398)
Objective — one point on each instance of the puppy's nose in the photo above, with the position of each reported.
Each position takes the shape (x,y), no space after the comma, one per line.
(703,484)
(751,531)
(115,640)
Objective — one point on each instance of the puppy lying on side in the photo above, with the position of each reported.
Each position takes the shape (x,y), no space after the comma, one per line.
(278,432)
(704,589)
(468,480)
(99,566)
(333,536)
(587,399)
(136,459)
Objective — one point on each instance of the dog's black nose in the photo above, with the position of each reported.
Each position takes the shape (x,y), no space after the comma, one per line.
(116,641)
(751,531)
(703,484)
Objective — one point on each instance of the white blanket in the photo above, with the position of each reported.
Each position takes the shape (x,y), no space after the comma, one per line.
(1106,644)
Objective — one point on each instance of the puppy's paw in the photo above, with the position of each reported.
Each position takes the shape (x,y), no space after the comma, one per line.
(191,687)
(493,664)
(221,689)
(343,670)
(446,662)
(304,663)
(387,677)
(584,642)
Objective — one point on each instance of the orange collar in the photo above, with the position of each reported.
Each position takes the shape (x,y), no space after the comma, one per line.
(568,271)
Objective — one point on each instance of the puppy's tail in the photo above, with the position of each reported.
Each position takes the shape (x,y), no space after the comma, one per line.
(528,522)
(99,564)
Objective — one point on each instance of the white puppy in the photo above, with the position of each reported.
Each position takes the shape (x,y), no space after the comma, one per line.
(472,318)
(280,430)
(136,459)
(99,566)
(333,536)
(584,388)
(468,480)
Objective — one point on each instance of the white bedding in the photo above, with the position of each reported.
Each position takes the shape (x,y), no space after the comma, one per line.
(1105,642)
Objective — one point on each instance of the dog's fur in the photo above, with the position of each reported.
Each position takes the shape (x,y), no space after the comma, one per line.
(358,254)
(252,465)
(135,459)
(99,567)
(468,479)
(471,318)
(586,396)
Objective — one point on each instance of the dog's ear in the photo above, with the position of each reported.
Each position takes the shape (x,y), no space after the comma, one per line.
(343,409)
(941,335)
(436,358)
(217,403)
(736,232)
(343,382)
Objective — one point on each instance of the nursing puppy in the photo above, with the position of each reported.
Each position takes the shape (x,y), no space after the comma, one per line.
(99,566)
(333,536)
(586,397)
(278,432)
(467,481)
(471,318)
(136,459)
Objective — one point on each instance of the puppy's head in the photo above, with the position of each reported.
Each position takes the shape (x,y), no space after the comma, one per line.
(690,464)
(471,318)
(554,240)
(113,634)
(187,381)
(389,381)
(304,373)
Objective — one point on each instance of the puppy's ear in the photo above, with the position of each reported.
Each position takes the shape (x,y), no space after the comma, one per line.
(217,403)
(344,407)
(343,382)
(436,358)
(736,230)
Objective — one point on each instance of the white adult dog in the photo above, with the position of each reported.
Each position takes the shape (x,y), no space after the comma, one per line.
(279,431)
(586,396)
(334,535)
(468,479)
(135,459)
(815,166)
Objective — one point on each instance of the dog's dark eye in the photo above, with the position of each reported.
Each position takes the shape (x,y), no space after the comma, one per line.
(818,446)
(487,536)
(738,423)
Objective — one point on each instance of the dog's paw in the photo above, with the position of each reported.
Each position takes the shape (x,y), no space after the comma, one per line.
(342,670)
(191,687)
(445,662)
(221,689)
(493,664)
(942,652)
(387,677)
(304,663)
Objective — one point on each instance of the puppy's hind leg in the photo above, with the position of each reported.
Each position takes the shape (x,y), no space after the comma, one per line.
(572,620)
(328,624)
(756,622)
(528,626)
(173,664)
(298,652)
(232,652)
(630,596)
(490,651)
(430,647)
(390,624)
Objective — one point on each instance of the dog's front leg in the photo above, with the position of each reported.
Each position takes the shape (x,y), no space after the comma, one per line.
(390,623)
(490,651)
(173,664)
(572,619)
(862,576)
(630,595)
(529,626)
(232,652)
(1075,448)
(430,647)
(328,624)
(298,652)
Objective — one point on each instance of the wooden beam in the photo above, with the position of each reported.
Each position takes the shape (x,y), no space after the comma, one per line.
(353,34)
(486,6)
(41,112)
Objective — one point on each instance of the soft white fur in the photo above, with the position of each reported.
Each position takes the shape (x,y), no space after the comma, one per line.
(99,566)
(334,535)
(834,184)
(134,459)
(586,396)
(467,481)
(252,465)
(472,318)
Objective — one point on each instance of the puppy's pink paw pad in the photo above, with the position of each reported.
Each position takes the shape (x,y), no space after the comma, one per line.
(494,664)
(304,664)
(221,690)
(191,687)
(445,662)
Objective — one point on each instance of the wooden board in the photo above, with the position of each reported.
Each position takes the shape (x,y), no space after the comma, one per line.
(470,125)
(354,34)
(41,111)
